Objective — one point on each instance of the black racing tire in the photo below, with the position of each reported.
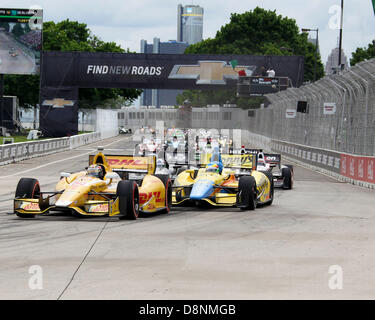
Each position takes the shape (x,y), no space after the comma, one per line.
(28,188)
(290,167)
(287,177)
(272,188)
(128,194)
(247,193)
(168,191)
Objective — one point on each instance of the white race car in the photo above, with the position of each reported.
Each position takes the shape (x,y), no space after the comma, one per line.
(283,175)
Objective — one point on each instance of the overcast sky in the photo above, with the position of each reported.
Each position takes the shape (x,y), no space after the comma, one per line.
(128,21)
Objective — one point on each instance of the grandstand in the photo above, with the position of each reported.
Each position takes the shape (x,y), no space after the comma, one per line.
(32,39)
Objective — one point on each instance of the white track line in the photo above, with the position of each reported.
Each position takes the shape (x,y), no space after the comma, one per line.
(53,162)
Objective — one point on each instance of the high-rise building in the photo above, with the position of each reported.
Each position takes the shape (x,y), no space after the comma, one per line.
(189,23)
(158,97)
(332,64)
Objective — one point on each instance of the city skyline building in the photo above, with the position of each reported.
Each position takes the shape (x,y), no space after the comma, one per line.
(333,61)
(189,23)
(159,97)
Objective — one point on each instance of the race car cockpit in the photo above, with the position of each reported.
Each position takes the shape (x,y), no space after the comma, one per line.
(96,171)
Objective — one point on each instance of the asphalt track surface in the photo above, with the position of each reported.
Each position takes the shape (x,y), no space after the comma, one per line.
(20,64)
(283,251)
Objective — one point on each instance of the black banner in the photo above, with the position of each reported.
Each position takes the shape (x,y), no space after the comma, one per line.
(59,111)
(160,71)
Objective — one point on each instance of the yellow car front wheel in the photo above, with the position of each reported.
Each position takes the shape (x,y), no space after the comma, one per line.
(128,195)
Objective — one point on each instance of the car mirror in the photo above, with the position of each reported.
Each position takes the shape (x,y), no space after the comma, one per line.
(111,176)
(65,174)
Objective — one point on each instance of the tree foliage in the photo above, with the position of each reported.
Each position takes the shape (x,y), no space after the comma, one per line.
(70,36)
(18,30)
(5,25)
(261,32)
(362,54)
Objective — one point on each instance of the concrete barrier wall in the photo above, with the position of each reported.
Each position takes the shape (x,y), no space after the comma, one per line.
(15,152)
(107,122)
(83,139)
(25,150)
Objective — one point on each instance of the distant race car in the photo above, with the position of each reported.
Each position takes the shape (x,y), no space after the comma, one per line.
(225,180)
(103,189)
(123,130)
(283,175)
(148,147)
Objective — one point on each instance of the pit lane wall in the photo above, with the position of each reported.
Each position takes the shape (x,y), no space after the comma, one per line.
(15,152)
(104,121)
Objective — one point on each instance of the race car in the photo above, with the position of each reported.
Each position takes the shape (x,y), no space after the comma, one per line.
(283,175)
(225,180)
(103,189)
(148,147)
(123,130)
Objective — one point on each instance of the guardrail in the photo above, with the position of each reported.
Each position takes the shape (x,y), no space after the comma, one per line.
(15,152)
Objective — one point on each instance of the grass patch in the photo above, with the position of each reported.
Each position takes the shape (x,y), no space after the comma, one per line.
(19,139)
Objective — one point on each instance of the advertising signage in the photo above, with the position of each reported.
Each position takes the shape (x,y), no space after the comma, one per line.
(160,71)
(20,40)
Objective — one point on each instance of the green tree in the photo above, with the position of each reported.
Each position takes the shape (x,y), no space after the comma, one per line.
(71,36)
(362,54)
(5,25)
(25,87)
(18,30)
(26,28)
(260,32)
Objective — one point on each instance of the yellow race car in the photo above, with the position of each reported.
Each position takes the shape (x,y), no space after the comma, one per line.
(105,188)
(225,180)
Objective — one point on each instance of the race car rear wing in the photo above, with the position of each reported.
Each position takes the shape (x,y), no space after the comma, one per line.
(234,161)
(272,158)
(121,163)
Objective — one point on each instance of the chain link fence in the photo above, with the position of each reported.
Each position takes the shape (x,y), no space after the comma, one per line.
(351,129)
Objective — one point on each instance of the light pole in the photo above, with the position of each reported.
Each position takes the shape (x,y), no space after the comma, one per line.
(341,25)
(316,48)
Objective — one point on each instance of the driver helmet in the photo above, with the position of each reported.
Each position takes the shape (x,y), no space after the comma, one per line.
(160,164)
(95,171)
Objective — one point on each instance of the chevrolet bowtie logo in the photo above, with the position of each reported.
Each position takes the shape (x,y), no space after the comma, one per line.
(207,72)
(58,103)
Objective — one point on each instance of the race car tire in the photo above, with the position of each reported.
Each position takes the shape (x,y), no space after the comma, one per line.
(272,189)
(287,177)
(128,195)
(246,197)
(168,191)
(28,188)
(290,167)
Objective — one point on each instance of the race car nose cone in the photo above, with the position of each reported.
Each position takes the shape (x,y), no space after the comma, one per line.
(201,190)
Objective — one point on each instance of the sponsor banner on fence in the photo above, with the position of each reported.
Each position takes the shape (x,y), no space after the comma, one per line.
(325,159)
(290,113)
(329,108)
(358,168)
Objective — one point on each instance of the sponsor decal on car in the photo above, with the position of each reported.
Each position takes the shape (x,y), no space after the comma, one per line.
(144,197)
(102,207)
(30,206)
